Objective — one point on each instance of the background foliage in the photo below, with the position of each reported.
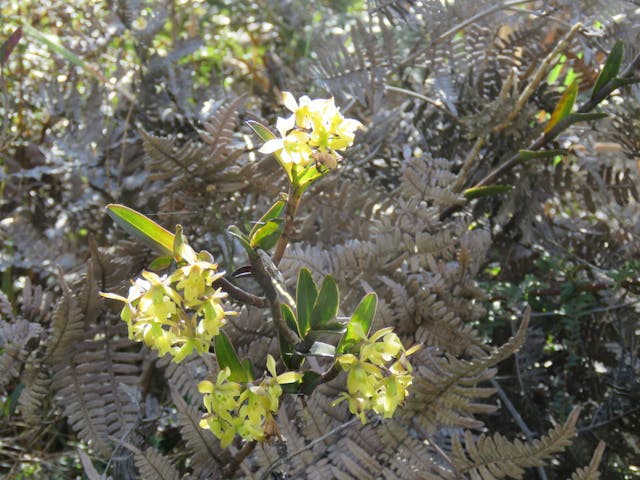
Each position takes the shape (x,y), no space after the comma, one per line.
(145,105)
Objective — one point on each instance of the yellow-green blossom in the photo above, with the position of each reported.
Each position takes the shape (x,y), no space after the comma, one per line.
(316,129)
(246,409)
(175,314)
(378,377)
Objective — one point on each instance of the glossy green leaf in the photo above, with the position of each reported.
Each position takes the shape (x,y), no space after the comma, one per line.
(525,155)
(227,357)
(472,193)
(160,263)
(290,357)
(263,132)
(248,369)
(359,323)
(267,236)
(306,295)
(564,106)
(610,69)
(289,317)
(272,214)
(310,380)
(321,349)
(325,308)
(244,240)
(142,228)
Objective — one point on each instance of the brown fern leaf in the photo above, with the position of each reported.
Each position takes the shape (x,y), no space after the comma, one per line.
(154,466)
(14,337)
(68,326)
(591,471)
(96,385)
(489,458)
(444,390)
(37,388)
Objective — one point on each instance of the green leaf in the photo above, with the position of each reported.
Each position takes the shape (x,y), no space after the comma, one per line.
(525,155)
(564,106)
(610,69)
(227,357)
(244,240)
(321,349)
(472,193)
(263,132)
(290,357)
(306,295)
(143,228)
(359,323)
(248,369)
(267,235)
(325,308)
(160,263)
(289,317)
(310,380)
(586,117)
(272,214)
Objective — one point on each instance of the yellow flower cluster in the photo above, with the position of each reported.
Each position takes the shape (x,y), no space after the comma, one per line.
(241,408)
(175,314)
(315,132)
(378,377)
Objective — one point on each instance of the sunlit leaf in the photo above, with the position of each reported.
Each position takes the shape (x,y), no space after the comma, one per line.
(263,132)
(472,193)
(306,295)
(321,349)
(325,308)
(142,228)
(564,106)
(227,357)
(359,323)
(273,213)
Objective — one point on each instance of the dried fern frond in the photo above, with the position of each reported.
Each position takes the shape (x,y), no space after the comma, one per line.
(154,466)
(445,390)
(37,388)
(490,458)
(14,337)
(591,471)
(67,326)
(96,384)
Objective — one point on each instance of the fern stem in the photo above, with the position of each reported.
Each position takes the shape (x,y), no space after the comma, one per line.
(293,200)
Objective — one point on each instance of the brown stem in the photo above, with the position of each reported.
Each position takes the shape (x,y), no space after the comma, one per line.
(239,458)
(239,294)
(293,200)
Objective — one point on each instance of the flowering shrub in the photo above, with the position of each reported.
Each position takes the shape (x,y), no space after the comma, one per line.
(182,312)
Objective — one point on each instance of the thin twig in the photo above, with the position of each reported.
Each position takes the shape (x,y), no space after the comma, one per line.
(307,446)
(518,419)
(425,99)
(244,452)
